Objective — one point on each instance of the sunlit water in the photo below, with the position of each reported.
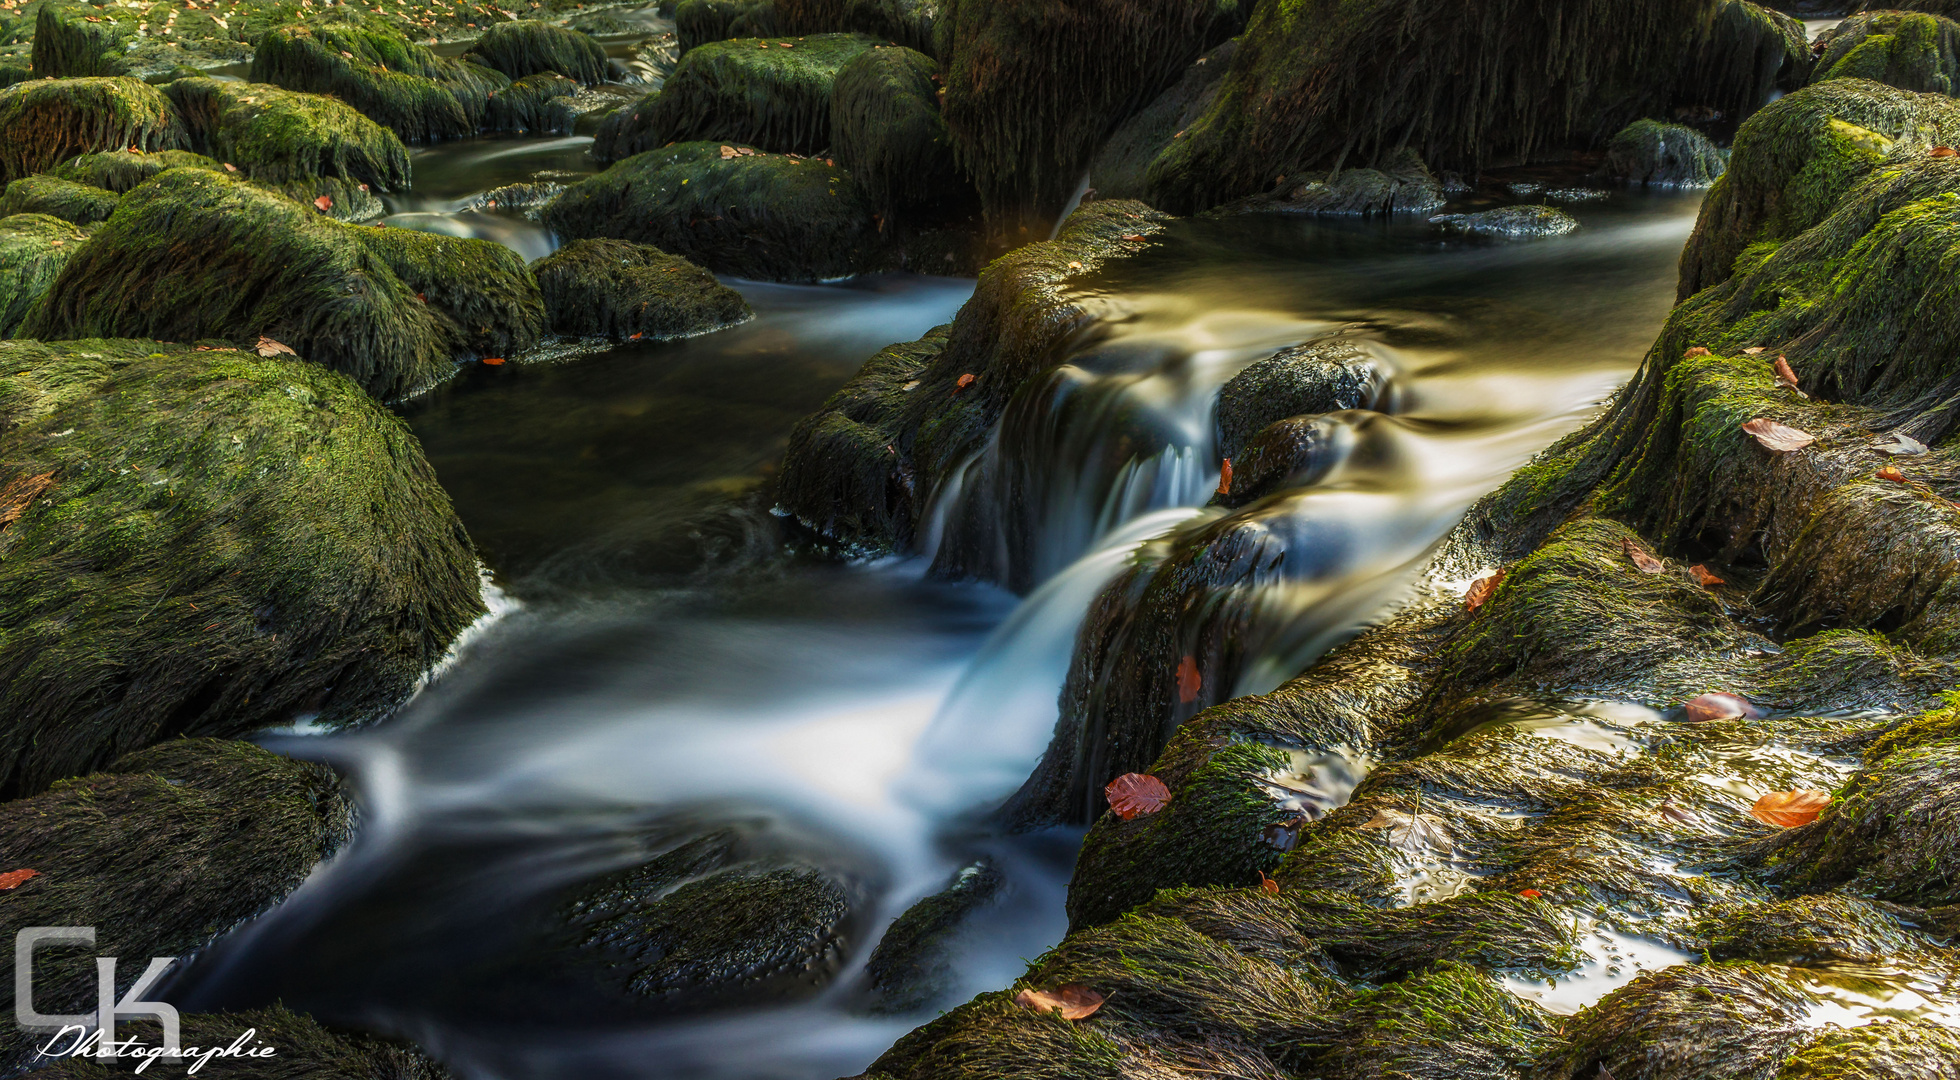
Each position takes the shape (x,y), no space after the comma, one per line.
(861,718)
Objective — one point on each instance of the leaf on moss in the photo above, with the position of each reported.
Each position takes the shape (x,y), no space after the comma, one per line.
(1647,563)
(1412,833)
(14,878)
(1483,588)
(324,202)
(1189,681)
(965,381)
(19,493)
(1789,809)
(1722,707)
(269,348)
(1074,1001)
(1786,377)
(1694,352)
(1778,437)
(1267,885)
(1901,445)
(1704,577)
(1941,151)
(1134,794)
(1891,475)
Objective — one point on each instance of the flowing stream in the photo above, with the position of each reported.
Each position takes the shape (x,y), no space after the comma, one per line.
(658,662)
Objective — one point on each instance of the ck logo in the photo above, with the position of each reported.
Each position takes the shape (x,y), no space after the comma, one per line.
(103,1020)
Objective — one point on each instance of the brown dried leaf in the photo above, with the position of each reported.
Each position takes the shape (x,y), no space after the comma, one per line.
(1722,707)
(324,203)
(1694,352)
(1786,377)
(1891,474)
(1267,885)
(1754,350)
(268,347)
(1647,563)
(1135,794)
(1225,477)
(19,493)
(1483,588)
(1789,809)
(965,381)
(1189,680)
(1074,1001)
(1704,577)
(1778,437)
(14,878)
(1412,833)
(1940,151)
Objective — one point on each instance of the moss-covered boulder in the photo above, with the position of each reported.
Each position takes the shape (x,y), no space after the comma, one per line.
(1532,222)
(1733,1019)
(773,93)
(1401,185)
(194,255)
(1121,167)
(208,543)
(120,170)
(523,47)
(886,129)
(160,851)
(1890,835)
(48,121)
(1651,153)
(543,103)
(915,962)
(372,67)
(1911,51)
(65,199)
(304,1050)
(627,291)
(698,22)
(1909,1048)
(33,249)
(1317,377)
(280,137)
(72,41)
(730,208)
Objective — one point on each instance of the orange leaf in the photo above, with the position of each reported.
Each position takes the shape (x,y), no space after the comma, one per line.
(1074,1001)
(325,203)
(1722,707)
(19,493)
(229,167)
(1647,563)
(12,878)
(1074,265)
(1132,794)
(1694,352)
(1189,681)
(965,381)
(1788,809)
(1704,577)
(1940,151)
(493,361)
(269,347)
(1779,437)
(1786,377)
(1531,894)
(1225,478)
(1483,588)
(1266,884)
(422,297)
(1892,474)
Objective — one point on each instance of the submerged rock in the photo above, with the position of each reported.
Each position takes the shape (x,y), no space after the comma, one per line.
(64,199)
(160,851)
(543,103)
(732,209)
(913,965)
(400,84)
(622,290)
(208,543)
(1403,185)
(525,47)
(47,121)
(1911,51)
(33,249)
(886,129)
(1651,153)
(1509,223)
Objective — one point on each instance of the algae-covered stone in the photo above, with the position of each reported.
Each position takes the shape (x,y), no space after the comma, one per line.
(523,47)
(1667,155)
(770,92)
(1318,377)
(1450,1023)
(913,964)
(1402,185)
(734,210)
(1907,50)
(65,199)
(48,121)
(698,22)
(622,290)
(216,543)
(160,851)
(278,136)
(304,1050)
(69,44)
(1283,455)
(372,67)
(1121,168)
(1736,1020)
(541,103)
(885,127)
(120,170)
(1891,835)
(1908,1048)
(1509,223)
(194,254)
(33,249)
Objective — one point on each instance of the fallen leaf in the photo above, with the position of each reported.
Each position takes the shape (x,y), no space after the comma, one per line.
(1941,151)
(1704,577)
(1132,794)
(1074,1001)
(1892,474)
(1267,885)
(229,167)
(19,493)
(1674,813)
(1789,809)
(422,297)
(1531,894)
(1483,588)
(1412,833)
(1694,352)
(727,152)
(1604,1074)
(1074,265)
(1721,707)
(1779,437)
(1786,377)
(1133,237)
(269,347)
(636,335)
(1755,350)
(964,382)
(324,202)
(1225,477)
(12,878)
(1189,681)
(1902,445)
(1645,562)
(493,361)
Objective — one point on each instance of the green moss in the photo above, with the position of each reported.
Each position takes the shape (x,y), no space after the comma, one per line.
(1934,726)
(160,852)
(33,249)
(305,1050)
(1121,166)
(765,216)
(773,93)
(885,127)
(372,67)
(523,47)
(1910,51)
(698,22)
(71,44)
(621,290)
(120,170)
(1449,1023)
(481,292)
(1806,931)
(535,103)
(1735,1020)
(48,121)
(1649,152)
(1911,1048)
(69,201)
(278,136)
(228,543)
(992,1037)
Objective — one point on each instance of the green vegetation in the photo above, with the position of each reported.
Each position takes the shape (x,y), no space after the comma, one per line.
(48,121)
(374,68)
(277,136)
(69,201)
(622,290)
(33,249)
(524,47)
(885,127)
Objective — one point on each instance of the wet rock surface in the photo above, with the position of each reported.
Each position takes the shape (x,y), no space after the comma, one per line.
(47,121)
(77,204)
(1508,223)
(913,965)
(1668,155)
(621,290)
(33,249)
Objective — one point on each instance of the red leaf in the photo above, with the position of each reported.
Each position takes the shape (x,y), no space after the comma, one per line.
(1940,151)
(965,381)
(1267,885)
(1074,1001)
(1531,894)
(1722,707)
(229,167)
(1482,589)
(1892,474)
(422,297)
(493,361)
(1704,577)
(324,203)
(1189,681)
(1779,437)
(13,878)
(1225,478)
(1694,352)
(1788,809)
(1132,794)
(1785,377)
(1647,563)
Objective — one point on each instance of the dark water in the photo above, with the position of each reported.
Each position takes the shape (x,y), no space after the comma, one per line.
(658,665)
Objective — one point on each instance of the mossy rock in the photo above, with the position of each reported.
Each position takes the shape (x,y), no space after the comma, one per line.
(1808,931)
(1402,185)
(279,136)
(885,127)
(11,73)
(914,963)
(699,22)
(33,249)
(1508,223)
(306,1050)
(541,104)
(1449,1023)
(1652,153)
(65,199)
(1911,51)
(219,543)
(1284,455)
(1741,58)
(1909,1048)
(1317,377)
(48,121)
(755,215)
(1890,834)
(622,290)
(523,47)
(1738,1020)
(369,65)
(72,41)
(1121,168)
(160,851)
(194,255)
(773,93)
(120,170)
